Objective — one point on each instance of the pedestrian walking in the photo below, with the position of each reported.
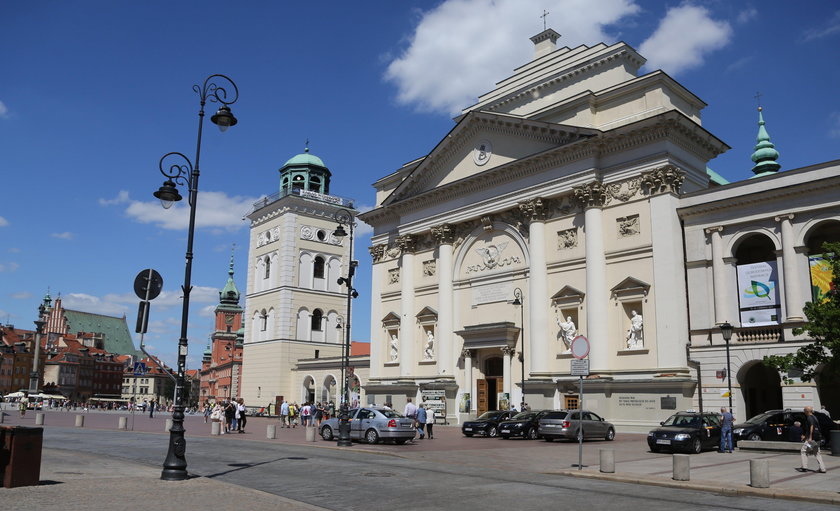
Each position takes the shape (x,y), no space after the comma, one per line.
(230,417)
(726,430)
(293,414)
(207,412)
(152,409)
(284,414)
(319,413)
(410,410)
(430,421)
(242,415)
(23,404)
(811,437)
(420,420)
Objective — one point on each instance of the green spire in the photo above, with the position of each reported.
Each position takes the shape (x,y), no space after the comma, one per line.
(229,294)
(765,154)
(207,352)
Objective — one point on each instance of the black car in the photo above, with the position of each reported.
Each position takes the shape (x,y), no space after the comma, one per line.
(487,424)
(776,425)
(687,431)
(524,424)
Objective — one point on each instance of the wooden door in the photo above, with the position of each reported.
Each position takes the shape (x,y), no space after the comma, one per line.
(482,398)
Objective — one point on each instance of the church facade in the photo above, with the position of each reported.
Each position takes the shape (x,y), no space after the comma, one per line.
(554,208)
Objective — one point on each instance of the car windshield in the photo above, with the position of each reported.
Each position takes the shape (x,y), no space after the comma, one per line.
(390,414)
(683,420)
(491,415)
(523,416)
(759,419)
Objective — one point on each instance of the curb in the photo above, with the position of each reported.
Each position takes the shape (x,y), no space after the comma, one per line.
(711,487)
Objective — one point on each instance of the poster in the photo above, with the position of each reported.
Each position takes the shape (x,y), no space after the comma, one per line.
(504,400)
(758,294)
(464,404)
(821,277)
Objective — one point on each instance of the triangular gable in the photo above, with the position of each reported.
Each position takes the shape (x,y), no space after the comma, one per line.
(567,294)
(459,155)
(427,316)
(631,285)
(392,320)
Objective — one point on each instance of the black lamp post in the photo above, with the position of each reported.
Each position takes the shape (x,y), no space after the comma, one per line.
(726,332)
(519,301)
(34,378)
(345,217)
(183,172)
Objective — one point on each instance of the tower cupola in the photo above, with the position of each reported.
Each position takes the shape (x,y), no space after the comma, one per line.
(304,172)
(765,154)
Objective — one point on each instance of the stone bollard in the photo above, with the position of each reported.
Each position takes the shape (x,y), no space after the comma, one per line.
(123,423)
(310,434)
(80,421)
(215,428)
(607,461)
(760,473)
(39,419)
(271,431)
(168,425)
(681,467)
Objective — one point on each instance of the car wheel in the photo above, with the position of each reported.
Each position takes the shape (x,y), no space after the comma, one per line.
(696,446)
(371,436)
(754,437)
(327,433)
(610,434)
(400,441)
(532,434)
(468,434)
(493,432)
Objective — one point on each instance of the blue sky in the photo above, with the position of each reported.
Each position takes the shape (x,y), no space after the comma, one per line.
(93,93)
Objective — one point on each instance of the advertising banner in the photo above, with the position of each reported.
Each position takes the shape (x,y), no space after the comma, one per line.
(758,294)
(821,276)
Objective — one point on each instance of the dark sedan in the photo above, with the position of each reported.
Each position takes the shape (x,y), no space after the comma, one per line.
(778,425)
(686,431)
(486,425)
(524,424)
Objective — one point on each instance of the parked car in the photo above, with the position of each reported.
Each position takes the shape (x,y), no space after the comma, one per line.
(372,424)
(775,425)
(566,424)
(487,424)
(686,431)
(524,424)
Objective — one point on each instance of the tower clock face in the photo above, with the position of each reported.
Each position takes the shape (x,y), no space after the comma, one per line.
(228,319)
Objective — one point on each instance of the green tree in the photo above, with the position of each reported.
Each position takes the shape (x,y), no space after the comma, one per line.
(823,327)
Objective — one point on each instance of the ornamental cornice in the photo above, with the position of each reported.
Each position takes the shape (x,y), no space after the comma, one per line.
(377,252)
(666,179)
(444,234)
(407,243)
(590,195)
(534,210)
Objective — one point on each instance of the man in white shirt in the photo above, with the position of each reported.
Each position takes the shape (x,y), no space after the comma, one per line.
(284,414)
(410,410)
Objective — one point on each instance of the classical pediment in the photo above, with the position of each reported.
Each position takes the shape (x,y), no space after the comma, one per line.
(630,285)
(480,143)
(392,320)
(568,293)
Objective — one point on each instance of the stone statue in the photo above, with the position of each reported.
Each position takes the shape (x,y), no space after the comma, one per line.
(635,334)
(429,351)
(567,332)
(395,347)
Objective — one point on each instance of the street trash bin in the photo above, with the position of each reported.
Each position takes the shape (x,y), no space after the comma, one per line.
(20,455)
(835,441)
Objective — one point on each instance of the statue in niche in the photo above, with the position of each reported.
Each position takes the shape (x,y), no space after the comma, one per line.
(568,331)
(395,347)
(635,334)
(429,350)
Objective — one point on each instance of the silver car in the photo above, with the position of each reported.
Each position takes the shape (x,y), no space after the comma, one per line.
(372,424)
(566,424)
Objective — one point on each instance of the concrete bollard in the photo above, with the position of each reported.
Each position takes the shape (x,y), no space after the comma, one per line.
(123,423)
(271,431)
(681,467)
(607,461)
(760,473)
(80,421)
(215,428)
(310,434)
(39,419)
(168,425)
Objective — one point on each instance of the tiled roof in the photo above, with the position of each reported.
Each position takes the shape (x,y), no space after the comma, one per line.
(117,337)
(359,348)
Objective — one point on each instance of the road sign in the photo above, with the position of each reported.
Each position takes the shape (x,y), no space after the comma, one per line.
(580,367)
(148,284)
(139,369)
(580,347)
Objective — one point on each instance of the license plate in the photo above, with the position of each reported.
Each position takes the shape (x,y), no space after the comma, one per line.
(505,431)
(549,426)
(662,441)
(467,429)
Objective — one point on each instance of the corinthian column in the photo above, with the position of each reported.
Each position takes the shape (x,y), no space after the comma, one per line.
(592,198)
(378,354)
(443,234)
(537,331)
(793,309)
(718,275)
(407,244)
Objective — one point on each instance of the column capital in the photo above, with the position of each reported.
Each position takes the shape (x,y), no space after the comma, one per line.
(466,353)
(590,195)
(534,210)
(786,216)
(710,230)
(444,234)
(407,243)
(377,252)
(507,351)
(666,179)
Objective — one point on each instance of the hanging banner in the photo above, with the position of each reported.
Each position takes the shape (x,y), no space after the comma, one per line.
(758,294)
(821,277)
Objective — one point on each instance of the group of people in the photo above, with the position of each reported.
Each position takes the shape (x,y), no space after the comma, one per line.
(310,414)
(424,418)
(231,414)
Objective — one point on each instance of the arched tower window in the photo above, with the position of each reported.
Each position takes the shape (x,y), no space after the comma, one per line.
(267,267)
(314,184)
(317,320)
(263,320)
(298,182)
(318,268)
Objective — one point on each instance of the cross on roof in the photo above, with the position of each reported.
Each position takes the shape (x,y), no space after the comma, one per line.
(544,14)
(758,99)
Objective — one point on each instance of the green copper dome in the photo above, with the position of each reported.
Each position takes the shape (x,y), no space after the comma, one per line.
(229,294)
(207,352)
(303,159)
(765,154)
(304,172)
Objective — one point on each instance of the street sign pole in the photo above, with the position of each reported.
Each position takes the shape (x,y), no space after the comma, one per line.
(580,424)
(580,368)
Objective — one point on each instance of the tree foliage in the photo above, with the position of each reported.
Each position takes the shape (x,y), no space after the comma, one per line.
(823,327)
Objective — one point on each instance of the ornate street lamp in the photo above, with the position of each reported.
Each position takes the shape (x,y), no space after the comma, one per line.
(519,301)
(184,173)
(34,377)
(726,331)
(345,217)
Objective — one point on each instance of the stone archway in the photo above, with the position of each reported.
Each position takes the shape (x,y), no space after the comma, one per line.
(308,390)
(828,388)
(761,387)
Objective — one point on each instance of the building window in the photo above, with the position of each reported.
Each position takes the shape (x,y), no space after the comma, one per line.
(317,320)
(318,269)
(267,267)
(264,321)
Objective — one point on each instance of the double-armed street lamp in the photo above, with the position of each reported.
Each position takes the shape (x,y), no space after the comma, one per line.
(345,217)
(182,172)
(726,331)
(519,301)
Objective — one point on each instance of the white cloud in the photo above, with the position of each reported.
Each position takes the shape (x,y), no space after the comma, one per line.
(747,15)
(4,111)
(9,267)
(3,222)
(89,303)
(461,47)
(215,210)
(684,37)
(121,198)
(831,27)
(834,130)
(66,235)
